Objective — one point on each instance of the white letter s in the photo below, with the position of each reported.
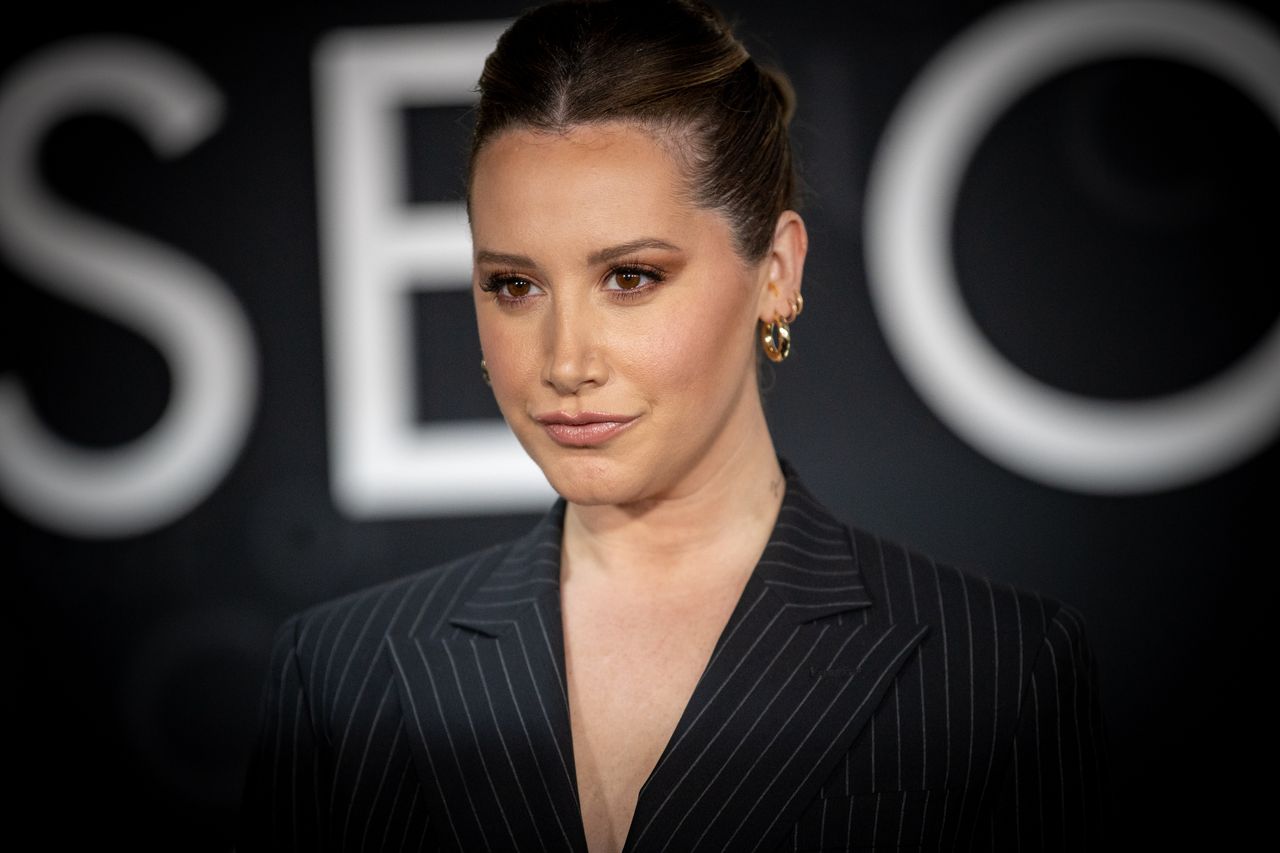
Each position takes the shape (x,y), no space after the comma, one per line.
(172,301)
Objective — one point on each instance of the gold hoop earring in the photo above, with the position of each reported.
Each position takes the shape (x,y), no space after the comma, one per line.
(775,339)
(484,371)
(797,307)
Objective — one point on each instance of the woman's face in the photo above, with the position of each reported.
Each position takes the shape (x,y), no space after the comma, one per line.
(617,322)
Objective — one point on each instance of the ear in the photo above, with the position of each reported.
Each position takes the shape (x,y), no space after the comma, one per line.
(783,268)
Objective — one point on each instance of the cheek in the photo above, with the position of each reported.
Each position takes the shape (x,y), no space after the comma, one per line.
(691,349)
(507,352)
(490,336)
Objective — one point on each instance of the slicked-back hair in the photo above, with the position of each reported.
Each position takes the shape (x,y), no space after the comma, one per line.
(674,69)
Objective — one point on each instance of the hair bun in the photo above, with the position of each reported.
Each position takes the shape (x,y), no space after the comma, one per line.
(781,86)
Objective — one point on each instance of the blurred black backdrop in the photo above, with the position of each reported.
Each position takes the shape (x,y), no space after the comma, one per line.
(1115,236)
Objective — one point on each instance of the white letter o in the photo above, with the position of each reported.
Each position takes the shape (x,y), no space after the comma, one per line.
(1063,439)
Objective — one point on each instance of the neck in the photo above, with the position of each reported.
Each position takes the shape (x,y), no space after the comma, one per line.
(711,527)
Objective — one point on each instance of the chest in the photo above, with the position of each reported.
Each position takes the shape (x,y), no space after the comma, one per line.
(631,669)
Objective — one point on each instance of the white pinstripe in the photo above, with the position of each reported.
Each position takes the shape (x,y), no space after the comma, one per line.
(813,647)
(346,823)
(813,555)
(382,783)
(484,682)
(888,671)
(946,679)
(799,704)
(766,560)
(475,737)
(968,771)
(346,730)
(417,718)
(786,525)
(714,656)
(995,699)
(564,764)
(725,683)
(524,727)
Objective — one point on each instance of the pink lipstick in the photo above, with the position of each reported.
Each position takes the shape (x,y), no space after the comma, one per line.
(583,429)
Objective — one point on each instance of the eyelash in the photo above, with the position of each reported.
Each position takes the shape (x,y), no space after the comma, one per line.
(655,277)
(496,281)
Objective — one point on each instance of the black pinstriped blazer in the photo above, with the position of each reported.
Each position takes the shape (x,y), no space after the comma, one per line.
(859,697)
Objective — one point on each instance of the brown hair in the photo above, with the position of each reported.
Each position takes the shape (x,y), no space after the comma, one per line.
(673,66)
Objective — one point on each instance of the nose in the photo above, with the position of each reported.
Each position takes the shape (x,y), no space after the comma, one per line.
(573,360)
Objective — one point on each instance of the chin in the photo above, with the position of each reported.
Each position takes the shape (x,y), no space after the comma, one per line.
(588,478)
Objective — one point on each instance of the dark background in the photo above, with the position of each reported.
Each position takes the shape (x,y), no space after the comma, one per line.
(1115,236)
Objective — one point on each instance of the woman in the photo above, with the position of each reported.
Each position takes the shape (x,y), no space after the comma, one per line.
(688,652)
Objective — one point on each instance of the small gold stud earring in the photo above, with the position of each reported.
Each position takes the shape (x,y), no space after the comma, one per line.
(484,371)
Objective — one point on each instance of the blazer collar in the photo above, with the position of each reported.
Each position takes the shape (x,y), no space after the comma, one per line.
(809,563)
(797,672)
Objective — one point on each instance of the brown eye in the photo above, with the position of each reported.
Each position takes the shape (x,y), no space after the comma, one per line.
(629,280)
(510,290)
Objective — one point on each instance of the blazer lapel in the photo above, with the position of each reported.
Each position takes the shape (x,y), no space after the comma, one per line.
(487,710)
(798,670)
(794,676)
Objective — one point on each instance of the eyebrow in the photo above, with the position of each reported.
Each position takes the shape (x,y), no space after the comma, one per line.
(621,249)
(485,256)
(598,257)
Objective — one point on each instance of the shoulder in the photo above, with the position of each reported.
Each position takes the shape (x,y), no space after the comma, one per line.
(911,584)
(416,602)
(965,611)
(972,618)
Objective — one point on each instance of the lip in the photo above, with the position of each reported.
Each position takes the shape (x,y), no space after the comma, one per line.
(583,429)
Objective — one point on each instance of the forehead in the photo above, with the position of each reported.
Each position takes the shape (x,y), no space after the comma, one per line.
(602,177)
(581,148)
